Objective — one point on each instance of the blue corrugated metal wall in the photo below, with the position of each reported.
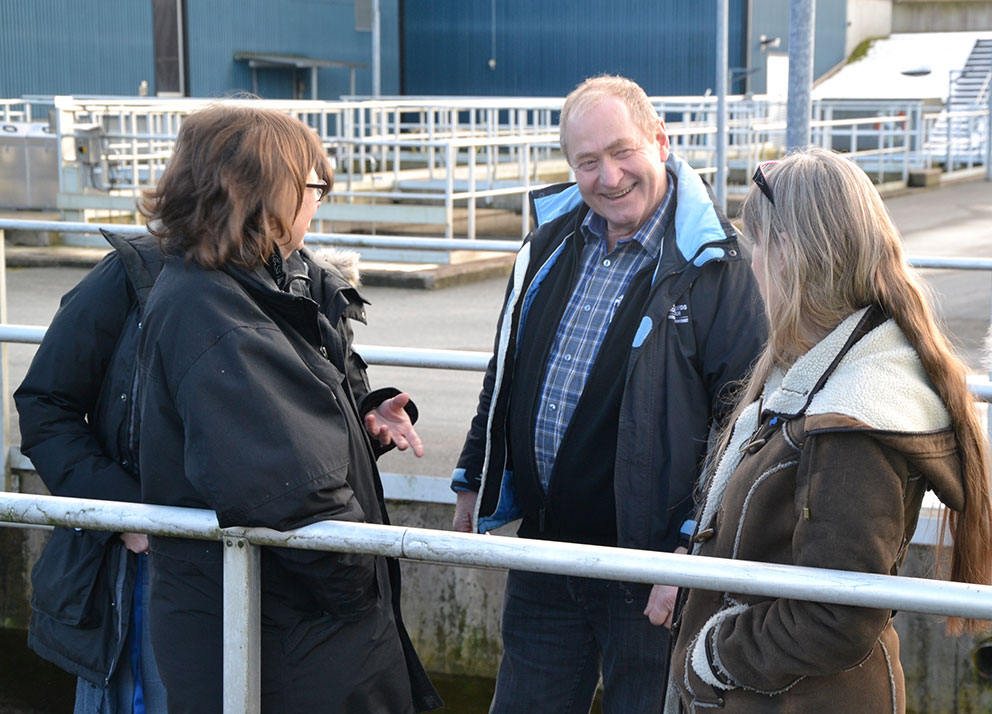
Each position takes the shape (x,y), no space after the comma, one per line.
(322,29)
(75,47)
(545,48)
(106,46)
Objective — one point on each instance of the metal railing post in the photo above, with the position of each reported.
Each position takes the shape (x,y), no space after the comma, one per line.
(471,191)
(949,160)
(988,141)
(430,143)
(525,207)
(4,372)
(722,72)
(988,407)
(242,627)
(449,190)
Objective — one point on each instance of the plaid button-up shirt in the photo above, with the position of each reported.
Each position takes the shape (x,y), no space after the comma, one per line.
(599,291)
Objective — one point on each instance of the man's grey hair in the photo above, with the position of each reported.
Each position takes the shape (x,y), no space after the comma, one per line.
(594,90)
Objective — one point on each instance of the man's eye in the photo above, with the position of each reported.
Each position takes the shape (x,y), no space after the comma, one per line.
(587,165)
(623,153)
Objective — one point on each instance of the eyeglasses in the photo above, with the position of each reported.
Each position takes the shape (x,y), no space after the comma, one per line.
(762,183)
(319,188)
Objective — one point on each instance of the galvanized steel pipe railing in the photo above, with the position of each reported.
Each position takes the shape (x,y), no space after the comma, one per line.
(462,360)
(339,239)
(489,551)
(242,607)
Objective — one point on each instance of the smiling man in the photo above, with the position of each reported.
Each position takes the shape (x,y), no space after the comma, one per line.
(628,319)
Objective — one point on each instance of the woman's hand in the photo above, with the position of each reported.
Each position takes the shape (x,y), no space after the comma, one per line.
(389,423)
(135,542)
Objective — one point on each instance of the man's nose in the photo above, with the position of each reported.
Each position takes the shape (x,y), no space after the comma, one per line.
(610,172)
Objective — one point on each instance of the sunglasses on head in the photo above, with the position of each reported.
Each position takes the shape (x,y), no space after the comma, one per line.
(762,183)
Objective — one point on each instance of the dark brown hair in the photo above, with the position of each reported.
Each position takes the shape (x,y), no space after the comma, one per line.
(233,185)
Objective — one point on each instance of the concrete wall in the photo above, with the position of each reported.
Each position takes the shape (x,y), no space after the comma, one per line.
(941,15)
(941,677)
(867,19)
(451,613)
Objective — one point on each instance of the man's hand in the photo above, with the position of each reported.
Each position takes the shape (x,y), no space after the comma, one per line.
(135,542)
(464,509)
(661,603)
(389,423)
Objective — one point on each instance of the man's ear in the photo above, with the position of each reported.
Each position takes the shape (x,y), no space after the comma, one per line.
(661,136)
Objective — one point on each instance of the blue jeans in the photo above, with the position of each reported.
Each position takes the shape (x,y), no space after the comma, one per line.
(560,631)
(118,696)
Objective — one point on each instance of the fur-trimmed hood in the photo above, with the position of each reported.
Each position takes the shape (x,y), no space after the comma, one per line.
(344,261)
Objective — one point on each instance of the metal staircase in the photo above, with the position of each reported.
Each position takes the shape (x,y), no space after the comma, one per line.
(960,138)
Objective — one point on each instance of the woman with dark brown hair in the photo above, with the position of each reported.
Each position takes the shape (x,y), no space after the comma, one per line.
(254,405)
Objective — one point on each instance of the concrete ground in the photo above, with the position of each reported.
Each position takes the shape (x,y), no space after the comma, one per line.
(954,220)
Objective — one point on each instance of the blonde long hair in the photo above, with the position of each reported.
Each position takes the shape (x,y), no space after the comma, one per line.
(830,231)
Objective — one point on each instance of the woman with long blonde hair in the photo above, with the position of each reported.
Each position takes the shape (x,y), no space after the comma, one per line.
(857,407)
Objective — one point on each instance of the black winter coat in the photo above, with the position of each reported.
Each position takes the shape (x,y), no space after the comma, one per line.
(79,427)
(247,410)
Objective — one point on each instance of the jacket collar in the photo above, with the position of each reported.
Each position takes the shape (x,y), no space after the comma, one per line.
(858,366)
(702,232)
(859,369)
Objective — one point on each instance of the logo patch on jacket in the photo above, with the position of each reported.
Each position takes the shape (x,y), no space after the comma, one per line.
(679,314)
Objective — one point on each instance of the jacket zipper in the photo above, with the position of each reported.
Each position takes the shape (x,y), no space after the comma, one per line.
(132,411)
(118,609)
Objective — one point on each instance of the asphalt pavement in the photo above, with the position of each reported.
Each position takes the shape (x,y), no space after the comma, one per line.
(954,220)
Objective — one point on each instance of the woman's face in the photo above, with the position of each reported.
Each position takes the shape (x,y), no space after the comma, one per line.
(302,221)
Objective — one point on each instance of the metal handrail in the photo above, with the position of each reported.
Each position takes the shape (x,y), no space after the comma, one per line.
(461,360)
(341,239)
(492,551)
(242,568)
(413,243)
(380,131)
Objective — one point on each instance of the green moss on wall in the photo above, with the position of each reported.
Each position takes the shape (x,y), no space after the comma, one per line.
(861,51)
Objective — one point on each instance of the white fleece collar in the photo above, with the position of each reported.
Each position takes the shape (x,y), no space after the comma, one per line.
(880,382)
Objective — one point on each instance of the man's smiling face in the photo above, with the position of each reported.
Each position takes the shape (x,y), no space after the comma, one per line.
(620,170)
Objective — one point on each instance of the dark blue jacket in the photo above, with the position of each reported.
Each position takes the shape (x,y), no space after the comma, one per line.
(701,326)
(78,422)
